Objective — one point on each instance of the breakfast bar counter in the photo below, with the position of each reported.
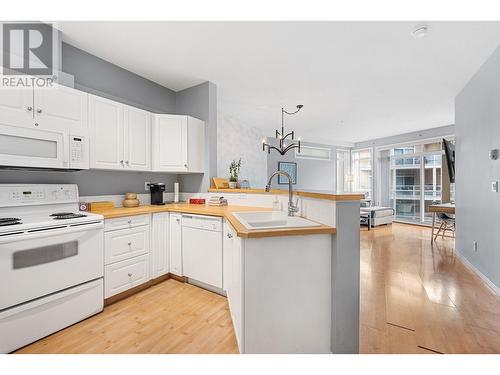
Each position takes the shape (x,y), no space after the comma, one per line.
(224,211)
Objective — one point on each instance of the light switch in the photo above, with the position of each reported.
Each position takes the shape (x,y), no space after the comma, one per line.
(494,186)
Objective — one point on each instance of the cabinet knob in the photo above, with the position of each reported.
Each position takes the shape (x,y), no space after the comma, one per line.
(178,220)
(129,275)
(121,162)
(130,243)
(229,235)
(38,110)
(36,123)
(126,162)
(29,109)
(130,221)
(185,165)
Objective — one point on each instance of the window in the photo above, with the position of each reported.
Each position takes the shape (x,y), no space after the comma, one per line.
(362,172)
(415,180)
(308,152)
(342,171)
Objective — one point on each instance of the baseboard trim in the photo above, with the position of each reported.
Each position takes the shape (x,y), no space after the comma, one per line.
(478,273)
(138,288)
(182,279)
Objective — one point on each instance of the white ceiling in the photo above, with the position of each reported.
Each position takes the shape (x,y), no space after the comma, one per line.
(356,80)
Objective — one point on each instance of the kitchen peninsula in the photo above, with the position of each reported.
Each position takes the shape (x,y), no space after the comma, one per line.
(291,289)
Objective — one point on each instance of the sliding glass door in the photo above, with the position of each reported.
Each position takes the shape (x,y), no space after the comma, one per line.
(415,181)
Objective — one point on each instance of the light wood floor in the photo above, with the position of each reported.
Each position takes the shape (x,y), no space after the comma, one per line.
(418,298)
(415,298)
(171,317)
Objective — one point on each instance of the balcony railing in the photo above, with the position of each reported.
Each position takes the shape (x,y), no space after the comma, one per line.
(414,192)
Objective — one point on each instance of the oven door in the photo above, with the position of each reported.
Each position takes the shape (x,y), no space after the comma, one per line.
(22,147)
(46,261)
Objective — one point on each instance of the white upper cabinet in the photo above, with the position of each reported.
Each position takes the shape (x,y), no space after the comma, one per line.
(120,136)
(106,133)
(59,108)
(170,143)
(16,107)
(137,151)
(178,144)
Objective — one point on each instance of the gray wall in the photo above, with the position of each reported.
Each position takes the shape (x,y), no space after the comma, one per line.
(477,130)
(92,182)
(311,174)
(200,102)
(99,77)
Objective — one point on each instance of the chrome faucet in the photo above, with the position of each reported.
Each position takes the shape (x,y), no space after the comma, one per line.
(292,207)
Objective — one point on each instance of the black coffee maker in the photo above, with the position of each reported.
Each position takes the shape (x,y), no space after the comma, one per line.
(157,189)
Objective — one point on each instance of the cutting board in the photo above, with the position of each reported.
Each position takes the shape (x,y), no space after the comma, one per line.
(220,183)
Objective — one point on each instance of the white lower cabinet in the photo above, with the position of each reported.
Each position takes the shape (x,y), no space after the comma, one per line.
(125,243)
(120,276)
(233,280)
(126,253)
(176,244)
(160,228)
(228,238)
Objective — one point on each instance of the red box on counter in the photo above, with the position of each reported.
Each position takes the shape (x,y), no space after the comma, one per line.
(196,200)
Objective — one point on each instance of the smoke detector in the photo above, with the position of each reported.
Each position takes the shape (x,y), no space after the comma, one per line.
(420,31)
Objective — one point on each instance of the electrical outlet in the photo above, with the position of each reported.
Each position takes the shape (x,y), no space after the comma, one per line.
(494,186)
(146,185)
(474,246)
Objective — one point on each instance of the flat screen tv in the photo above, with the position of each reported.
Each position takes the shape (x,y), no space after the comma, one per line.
(449,152)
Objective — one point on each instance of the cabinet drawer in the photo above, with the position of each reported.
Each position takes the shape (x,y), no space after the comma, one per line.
(126,274)
(126,222)
(125,243)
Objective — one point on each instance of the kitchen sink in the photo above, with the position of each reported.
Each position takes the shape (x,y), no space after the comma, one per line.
(272,220)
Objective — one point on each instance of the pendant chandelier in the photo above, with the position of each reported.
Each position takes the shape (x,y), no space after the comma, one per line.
(283,148)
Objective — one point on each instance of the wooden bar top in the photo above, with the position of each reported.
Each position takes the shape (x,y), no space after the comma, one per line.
(225,212)
(447,208)
(301,193)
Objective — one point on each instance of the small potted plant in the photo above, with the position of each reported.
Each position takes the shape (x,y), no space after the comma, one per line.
(234,171)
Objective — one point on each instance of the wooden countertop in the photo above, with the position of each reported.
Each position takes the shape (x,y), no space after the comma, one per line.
(301,193)
(447,208)
(225,212)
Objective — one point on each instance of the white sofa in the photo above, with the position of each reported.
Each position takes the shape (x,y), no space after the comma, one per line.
(379,215)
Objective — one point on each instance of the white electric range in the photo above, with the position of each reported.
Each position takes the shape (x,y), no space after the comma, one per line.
(51,262)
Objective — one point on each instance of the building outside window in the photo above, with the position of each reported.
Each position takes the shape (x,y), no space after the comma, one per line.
(362,172)
(415,180)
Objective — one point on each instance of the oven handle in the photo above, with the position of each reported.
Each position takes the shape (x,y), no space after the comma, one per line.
(25,235)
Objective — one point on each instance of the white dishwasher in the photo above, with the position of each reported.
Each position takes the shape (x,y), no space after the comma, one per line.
(202,249)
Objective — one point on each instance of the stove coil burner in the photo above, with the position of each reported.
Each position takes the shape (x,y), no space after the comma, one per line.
(66,215)
(4,221)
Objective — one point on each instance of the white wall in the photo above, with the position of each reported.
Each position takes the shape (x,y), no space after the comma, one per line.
(238,140)
(312,174)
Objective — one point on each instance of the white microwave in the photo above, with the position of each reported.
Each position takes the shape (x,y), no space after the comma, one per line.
(34,148)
